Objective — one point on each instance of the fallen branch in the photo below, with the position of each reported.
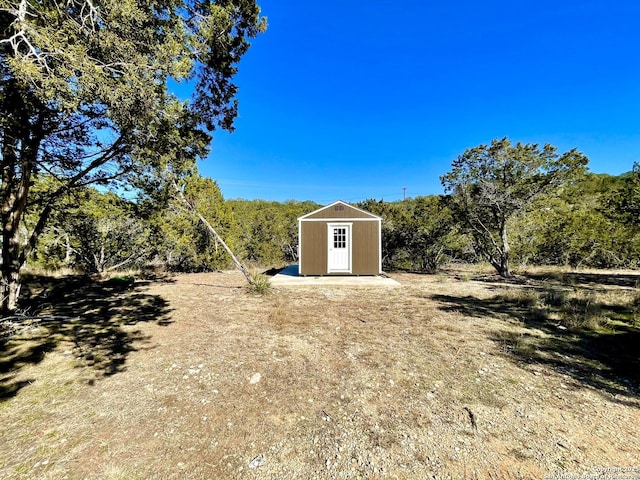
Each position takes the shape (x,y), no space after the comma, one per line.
(215,234)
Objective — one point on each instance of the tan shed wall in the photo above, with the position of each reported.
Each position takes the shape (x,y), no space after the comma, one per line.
(365,254)
(365,244)
(313,248)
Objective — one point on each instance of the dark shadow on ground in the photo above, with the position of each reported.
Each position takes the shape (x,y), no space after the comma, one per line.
(605,356)
(590,280)
(272,272)
(97,318)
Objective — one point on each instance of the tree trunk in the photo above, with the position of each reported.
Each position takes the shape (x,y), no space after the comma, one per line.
(10,244)
(15,189)
(236,262)
(505,254)
(21,139)
(11,258)
(68,250)
(498,257)
(10,281)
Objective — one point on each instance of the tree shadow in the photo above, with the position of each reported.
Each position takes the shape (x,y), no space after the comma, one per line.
(603,354)
(97,319)
(272,272)
(589,280)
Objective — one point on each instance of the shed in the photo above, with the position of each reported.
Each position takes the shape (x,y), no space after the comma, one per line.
(340,239)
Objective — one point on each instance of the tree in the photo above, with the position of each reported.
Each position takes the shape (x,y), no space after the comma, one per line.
(418,234)
(84,97)
(624,202)
(104,233)
(214,233)
(182,241)
(427,231)
(578,227)
(268,232)
(490,185)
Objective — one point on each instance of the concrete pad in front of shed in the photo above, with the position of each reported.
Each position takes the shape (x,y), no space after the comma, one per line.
(289,277)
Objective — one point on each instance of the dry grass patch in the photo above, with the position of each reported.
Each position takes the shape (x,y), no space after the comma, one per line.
(446,377)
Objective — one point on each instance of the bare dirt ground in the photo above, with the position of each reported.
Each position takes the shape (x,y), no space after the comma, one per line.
(455,375)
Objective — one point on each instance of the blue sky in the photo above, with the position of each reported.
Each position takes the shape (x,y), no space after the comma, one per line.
(359,99)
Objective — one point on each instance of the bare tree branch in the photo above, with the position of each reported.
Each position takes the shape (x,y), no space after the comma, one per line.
(191,208)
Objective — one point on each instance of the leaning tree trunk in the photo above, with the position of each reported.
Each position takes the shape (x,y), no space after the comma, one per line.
(212,231)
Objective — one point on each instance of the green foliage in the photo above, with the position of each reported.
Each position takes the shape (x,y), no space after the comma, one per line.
(268,231)
(261,284)
(96,233)
(623,201)
(83,96)
(418,234)
(490,185)
(577,227)
(107,234)
(99,231)
(182,242)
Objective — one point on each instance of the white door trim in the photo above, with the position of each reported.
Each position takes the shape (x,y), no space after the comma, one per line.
(336,261)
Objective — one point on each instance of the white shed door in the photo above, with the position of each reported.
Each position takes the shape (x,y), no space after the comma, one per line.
(339,236)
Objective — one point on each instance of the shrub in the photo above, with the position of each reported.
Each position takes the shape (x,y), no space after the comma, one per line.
(583,311)
(261,284)
(555,298)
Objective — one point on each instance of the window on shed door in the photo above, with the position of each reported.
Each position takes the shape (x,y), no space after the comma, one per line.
(340,237)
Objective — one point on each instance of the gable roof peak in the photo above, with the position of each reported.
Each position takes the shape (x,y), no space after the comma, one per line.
(338,202)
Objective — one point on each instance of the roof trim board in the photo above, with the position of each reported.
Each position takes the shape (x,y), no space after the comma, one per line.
(326,207)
